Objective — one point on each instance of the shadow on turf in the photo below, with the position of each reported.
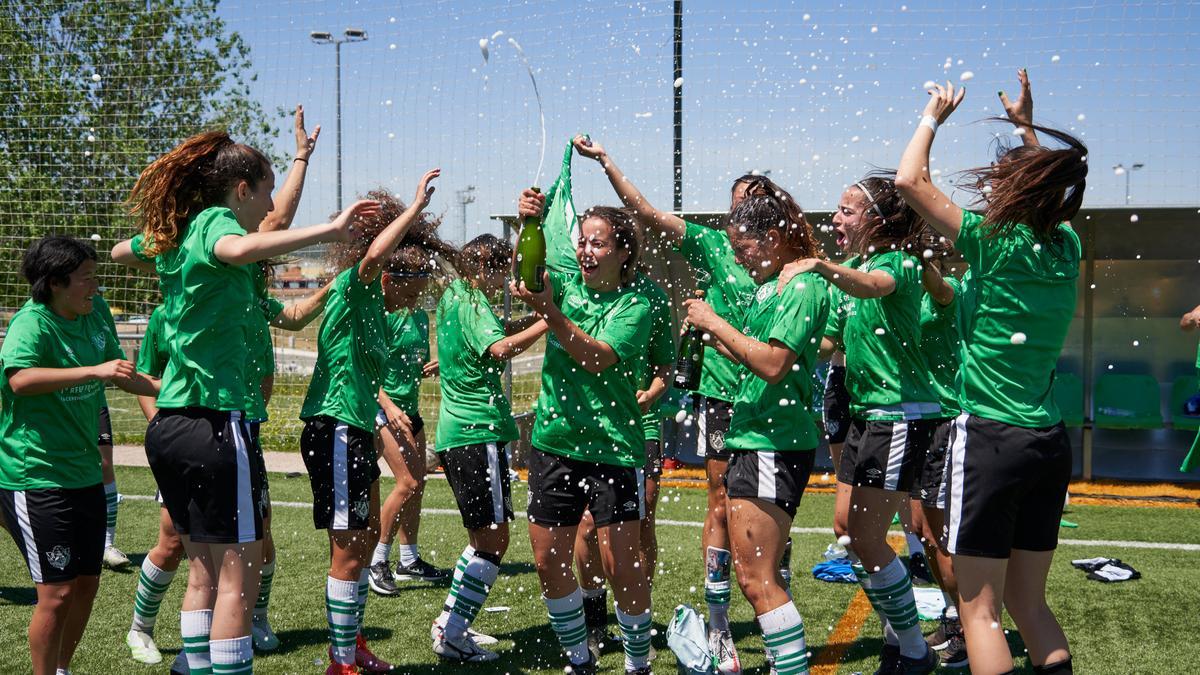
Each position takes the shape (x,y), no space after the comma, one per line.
(18,595)
(868,648)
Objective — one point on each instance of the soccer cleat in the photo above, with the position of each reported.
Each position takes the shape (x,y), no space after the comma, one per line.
(262,636)
(720,643)
(588,667)
(955,654)
(481,639)
(379,578)
(463,650)
(419,571)
(922,666)
(938,639)
(142,648)
(600,641)
(889,659)
(336,668)
(368,662)
(918,569)
(180,665)
(640,671)
(114,559)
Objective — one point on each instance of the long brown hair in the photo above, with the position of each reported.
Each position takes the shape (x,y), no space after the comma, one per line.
(798,236)
(624,229)
(1035,186)
(889,223)
(196,174)
(421,236)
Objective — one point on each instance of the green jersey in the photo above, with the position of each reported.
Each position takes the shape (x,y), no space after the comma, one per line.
(887,375)
(841,305)
(939,343)
(595,417)
(261,363)
(152,355)
(209,311)
(1016,312)
(729,291)
(778,417)
(474,407)
(662,346)
(49,440)
(352,348)
(408,352)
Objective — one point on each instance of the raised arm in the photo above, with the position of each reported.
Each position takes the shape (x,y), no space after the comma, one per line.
(912,176)
(666,224)
(1021,112)
(288,196)
(770,361)
(873,284)
(593,355)
(123,254)
(385,244)
(258,246)
(299,314)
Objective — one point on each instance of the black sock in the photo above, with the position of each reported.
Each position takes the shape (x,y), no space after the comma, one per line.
(595,609)
(1060,668)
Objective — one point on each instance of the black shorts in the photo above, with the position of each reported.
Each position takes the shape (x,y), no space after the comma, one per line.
(418,422)
(209,473)
(478,477)
(105,437)
(928,486)
(1006,487)
(256,441)
(885,455)
(654,459)
(835,411)
(59,531)
(777,477)
(561,488)
(713,416)
(342,466)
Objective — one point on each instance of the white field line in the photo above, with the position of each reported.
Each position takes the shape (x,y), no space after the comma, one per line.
(825,531)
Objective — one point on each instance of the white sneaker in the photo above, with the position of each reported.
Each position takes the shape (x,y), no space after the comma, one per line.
(463,650)
(481,639)
(720,643)
(261,634)
(142,648)
(114,559)
(180,665)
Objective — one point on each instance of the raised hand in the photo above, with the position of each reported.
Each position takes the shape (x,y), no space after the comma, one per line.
(531,203)
(538,301)
(943,101)
(305,142)
(344,223)
(424,189)
(792,269)
(1020,113)
(699,313)
(588,148)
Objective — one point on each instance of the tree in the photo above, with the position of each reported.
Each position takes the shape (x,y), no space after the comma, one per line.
(90,92)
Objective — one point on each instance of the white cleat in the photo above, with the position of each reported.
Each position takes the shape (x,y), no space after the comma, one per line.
(142,648)
(480,638)
(261,634)
(114,559)
(463,650)
(720,643)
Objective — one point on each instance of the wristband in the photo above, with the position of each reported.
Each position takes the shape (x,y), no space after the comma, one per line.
(300,159)
(929,121)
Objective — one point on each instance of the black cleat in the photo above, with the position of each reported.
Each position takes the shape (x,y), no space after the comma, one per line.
(889,658)
(918,569)
(921,666)
(419,571)
(379,578)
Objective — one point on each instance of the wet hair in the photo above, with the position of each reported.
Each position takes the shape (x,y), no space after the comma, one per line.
(196,174)
(624,228)
(799,233)
(1035,186)
(49,262)
(487,252)
(420,244)
(889,222)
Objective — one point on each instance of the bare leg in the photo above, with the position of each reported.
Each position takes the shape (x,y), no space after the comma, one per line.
(80,610)
(47,625)
(759,531)
(648,538)
(1025,600)
(981,590)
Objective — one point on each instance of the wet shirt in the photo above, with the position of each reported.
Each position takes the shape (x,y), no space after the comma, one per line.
(408,352)
(939,342)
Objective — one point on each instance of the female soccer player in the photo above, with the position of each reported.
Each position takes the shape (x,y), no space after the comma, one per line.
(891,403)
(57,356)
(772,436)
(587,442)
(1010,456)
(339,413)
(401,430)
(474,424)
(200,206)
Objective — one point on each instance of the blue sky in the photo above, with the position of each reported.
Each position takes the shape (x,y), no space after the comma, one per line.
(816,92)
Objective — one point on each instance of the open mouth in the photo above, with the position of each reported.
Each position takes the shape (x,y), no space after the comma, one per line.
(588,266)
(842,239)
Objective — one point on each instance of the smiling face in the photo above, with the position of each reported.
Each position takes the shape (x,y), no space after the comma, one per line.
(252,204)
(760,257)
(853,213)
(75,298)
(599,255)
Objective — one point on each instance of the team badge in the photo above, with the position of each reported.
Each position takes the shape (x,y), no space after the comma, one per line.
(764,292)
(362,508)
(59,557)
(99,340)
(717,440)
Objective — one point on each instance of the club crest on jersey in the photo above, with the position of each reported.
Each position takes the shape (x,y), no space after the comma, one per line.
(59,557)
(99,340)
(764,292)
(575,301)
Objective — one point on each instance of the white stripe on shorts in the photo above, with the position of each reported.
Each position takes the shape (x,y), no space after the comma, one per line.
(245,503)
(702,426)
(766,475)
(640,475)
(341,477)
(497,481)
(891,479)
(31,549)
(955,471)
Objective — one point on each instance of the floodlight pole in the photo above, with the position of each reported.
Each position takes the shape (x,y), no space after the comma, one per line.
(677,86)
(350,35)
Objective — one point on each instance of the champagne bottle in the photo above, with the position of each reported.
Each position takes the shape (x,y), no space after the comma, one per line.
(531,253)
(691,357)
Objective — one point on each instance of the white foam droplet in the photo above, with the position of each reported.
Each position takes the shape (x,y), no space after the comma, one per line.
(844,540)
(929,84)
(1133,218)
(1018,338)
(678,82)
(908,264)
(95,237)
(96,77)
(483,48)
(874,29)
(966,75)
(1081,117)
(1055,59)
(927,254)
(879,331)
(680,416)
(783,402)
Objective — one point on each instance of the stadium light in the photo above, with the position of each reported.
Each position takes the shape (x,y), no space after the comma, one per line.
(1122,170)
(324,38)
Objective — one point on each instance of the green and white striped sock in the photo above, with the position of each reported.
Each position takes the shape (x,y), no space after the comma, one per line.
(194,628)
(566,618)
(363,587)
(890,590)
(783,634)
(234,656)
(152,586)
(889,635)
(341,610)
(264,591)
(636,631)
(468,591)
(110,505)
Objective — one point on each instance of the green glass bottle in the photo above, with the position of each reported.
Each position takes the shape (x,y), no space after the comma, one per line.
(531,253)
(691,357)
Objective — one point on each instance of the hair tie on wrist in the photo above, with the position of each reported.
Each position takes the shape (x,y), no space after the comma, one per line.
(300,159)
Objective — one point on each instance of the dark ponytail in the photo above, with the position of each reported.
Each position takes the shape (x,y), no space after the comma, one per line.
(798,235)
